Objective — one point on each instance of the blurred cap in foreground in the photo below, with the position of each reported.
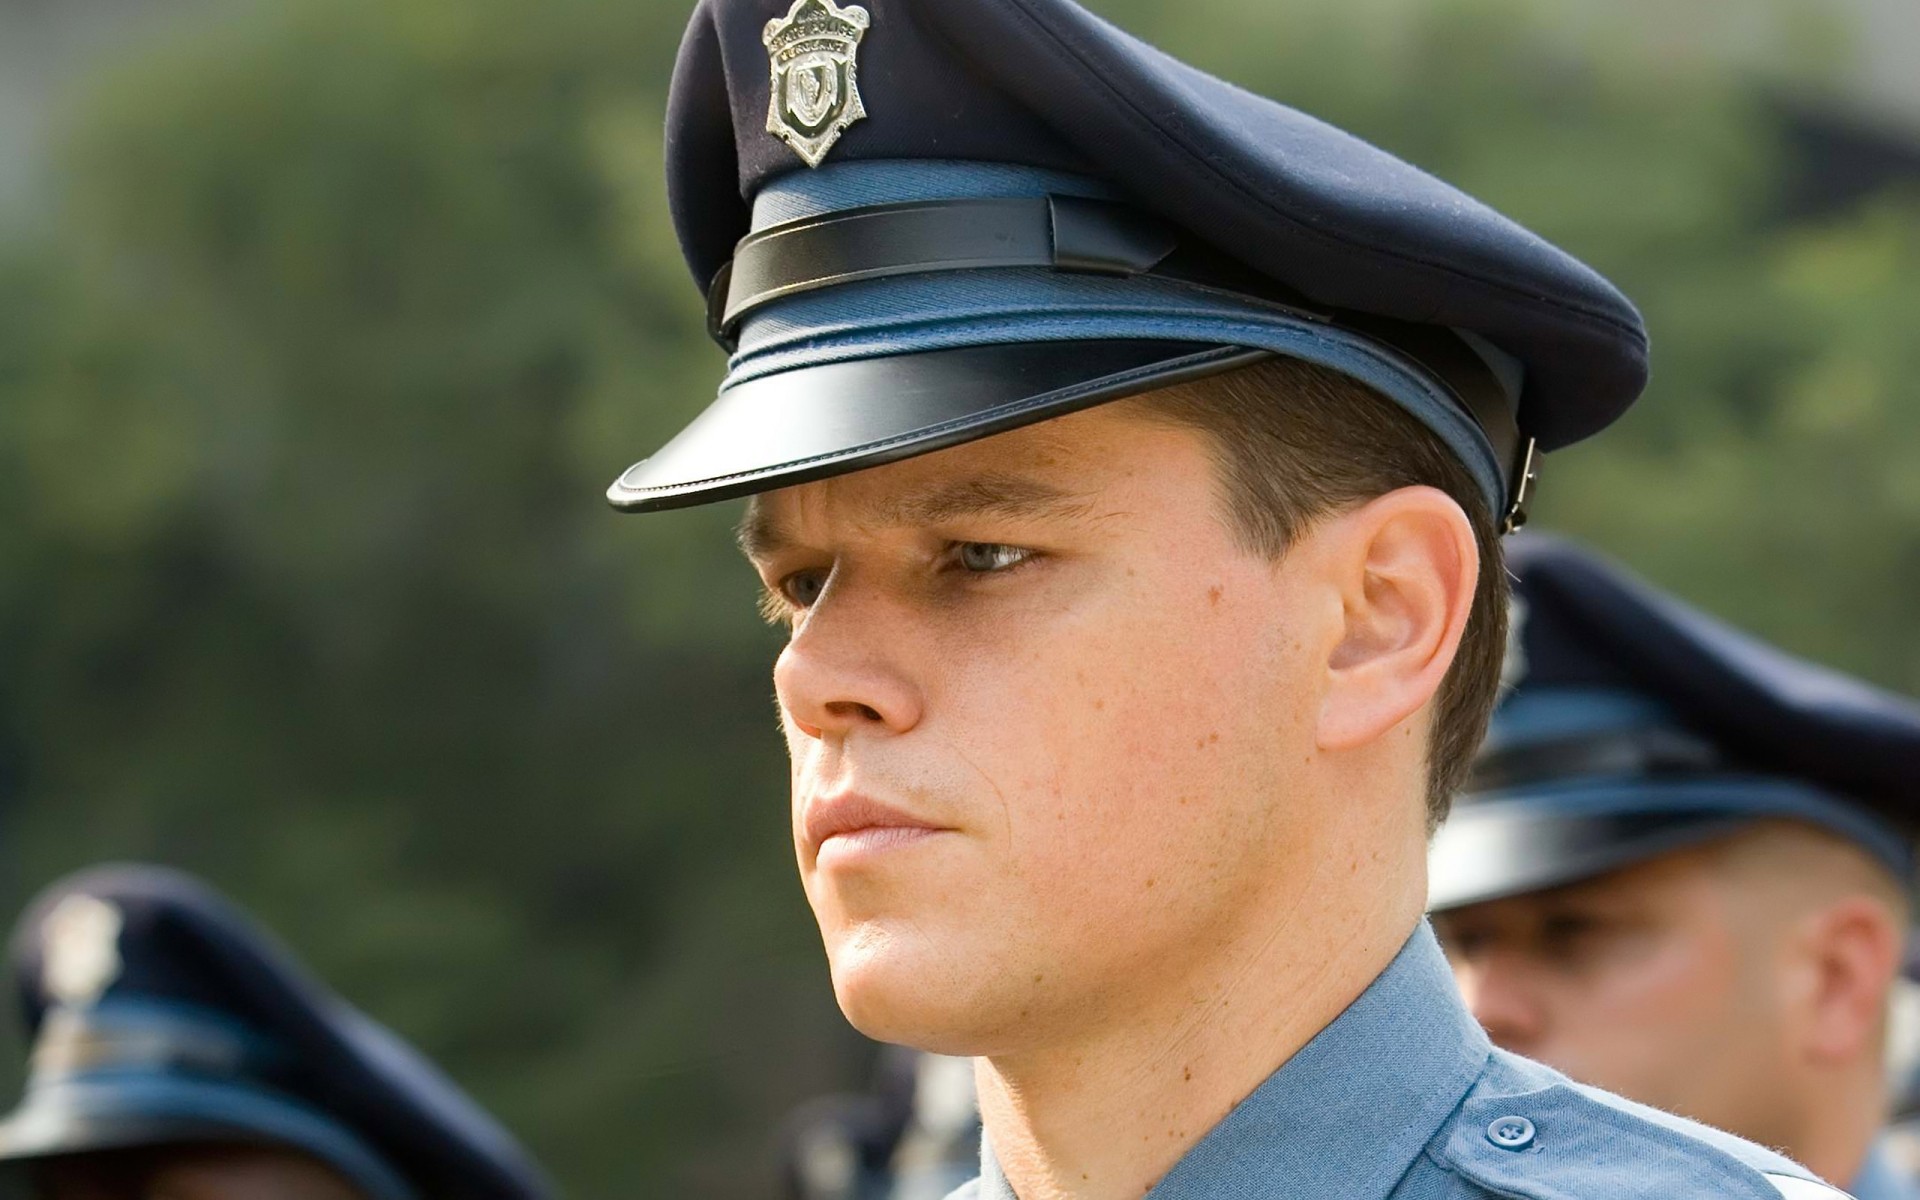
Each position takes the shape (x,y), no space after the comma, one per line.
(160,1015)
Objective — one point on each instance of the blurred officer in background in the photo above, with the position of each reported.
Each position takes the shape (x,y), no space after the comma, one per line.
(915,1135)
(1129,457)
(1902,1142)
(178,1052)
(1683,869)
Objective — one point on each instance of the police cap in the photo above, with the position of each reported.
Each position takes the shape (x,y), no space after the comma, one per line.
(159,1014)
(920,222)
(1637,725)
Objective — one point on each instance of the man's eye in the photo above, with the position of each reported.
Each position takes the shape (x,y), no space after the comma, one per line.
(1565,936)
(802,588)
(984,558)
(1461,944)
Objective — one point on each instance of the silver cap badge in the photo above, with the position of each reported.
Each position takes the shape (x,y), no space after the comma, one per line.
(82,940)
(816,85)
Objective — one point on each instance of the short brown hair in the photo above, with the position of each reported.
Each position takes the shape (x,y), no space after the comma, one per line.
(1296,442)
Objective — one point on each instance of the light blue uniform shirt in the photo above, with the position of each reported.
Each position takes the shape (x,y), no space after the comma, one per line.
(1879,1179)
(1402,1097)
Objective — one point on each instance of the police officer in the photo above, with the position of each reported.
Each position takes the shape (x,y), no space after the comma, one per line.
(1684,869)
(178,1052)
(914,1135)
(1128,457)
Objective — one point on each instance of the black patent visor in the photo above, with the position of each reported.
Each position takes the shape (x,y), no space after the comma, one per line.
(814,422)
(1507,850)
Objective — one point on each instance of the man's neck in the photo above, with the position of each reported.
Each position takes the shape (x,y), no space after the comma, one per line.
(1105,1114)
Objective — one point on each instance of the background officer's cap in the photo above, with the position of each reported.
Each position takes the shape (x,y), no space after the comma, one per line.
(159,1014)
(920,222)
(1639,726)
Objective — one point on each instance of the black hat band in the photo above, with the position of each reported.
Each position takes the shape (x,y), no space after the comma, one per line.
(1077,235)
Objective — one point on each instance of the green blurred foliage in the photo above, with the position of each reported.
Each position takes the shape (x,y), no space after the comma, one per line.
(351,311)
(348,319)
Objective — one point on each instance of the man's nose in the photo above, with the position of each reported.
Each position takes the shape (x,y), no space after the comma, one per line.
(1501,996)
(846,668)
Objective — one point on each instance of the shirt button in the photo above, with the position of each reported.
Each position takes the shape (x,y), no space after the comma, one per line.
(1511,1133)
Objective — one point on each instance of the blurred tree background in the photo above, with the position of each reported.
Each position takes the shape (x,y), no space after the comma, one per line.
(335,319)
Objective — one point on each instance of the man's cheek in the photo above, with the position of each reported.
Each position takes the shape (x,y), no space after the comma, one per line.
(1096,818)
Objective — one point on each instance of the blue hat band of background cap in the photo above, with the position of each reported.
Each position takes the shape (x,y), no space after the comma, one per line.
(119,1109)
(920,313)
(130,1031)
(1740,798)
(139,1071)
(1543,714)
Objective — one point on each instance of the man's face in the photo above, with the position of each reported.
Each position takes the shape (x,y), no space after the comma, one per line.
(1648,981)
(1041,709)
(192,1173)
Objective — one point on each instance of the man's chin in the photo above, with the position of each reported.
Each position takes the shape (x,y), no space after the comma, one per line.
(910,996)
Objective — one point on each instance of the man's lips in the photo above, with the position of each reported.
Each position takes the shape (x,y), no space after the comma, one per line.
(850,814)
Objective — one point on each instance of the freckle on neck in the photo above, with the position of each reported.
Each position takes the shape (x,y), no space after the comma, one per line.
(1215,594)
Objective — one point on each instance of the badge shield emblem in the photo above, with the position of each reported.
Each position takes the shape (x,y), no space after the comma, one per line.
(81,937)
(816,86)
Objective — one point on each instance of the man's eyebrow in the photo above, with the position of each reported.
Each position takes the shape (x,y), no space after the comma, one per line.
(999,494)
(992,495)
(760,535)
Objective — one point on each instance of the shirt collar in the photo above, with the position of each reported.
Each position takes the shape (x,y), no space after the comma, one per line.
(1346,1115)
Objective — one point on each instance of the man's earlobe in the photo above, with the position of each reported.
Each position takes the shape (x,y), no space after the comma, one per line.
(1406,565)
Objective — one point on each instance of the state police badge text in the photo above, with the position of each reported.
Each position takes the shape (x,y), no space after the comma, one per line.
(816,85)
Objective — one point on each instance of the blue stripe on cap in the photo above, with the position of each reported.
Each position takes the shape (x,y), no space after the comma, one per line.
(918,313)
(1750,797)
(82,1112)
(132,1060)
(165,1014)
(1549,714)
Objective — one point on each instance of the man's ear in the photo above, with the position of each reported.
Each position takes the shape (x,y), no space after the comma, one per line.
(1853,947)
(1405,566)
